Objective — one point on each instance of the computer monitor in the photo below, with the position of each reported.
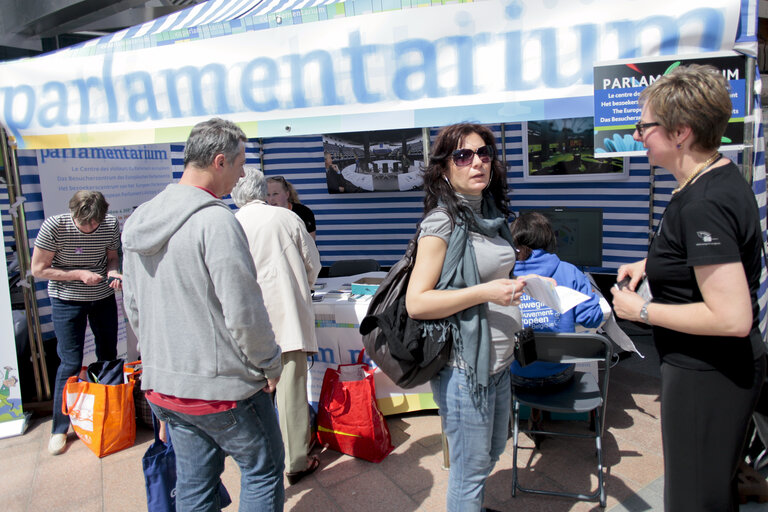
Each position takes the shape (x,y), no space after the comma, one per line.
(579,233)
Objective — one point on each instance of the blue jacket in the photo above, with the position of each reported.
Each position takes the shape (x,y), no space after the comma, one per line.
(545,319)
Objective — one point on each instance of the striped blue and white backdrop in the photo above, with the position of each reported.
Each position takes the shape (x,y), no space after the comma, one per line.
(378,225)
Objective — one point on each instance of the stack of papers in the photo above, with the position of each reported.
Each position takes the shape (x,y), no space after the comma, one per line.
(559,298)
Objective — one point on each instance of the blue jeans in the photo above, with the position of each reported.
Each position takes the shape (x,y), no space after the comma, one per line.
(476,437)
(69,321)
(249,433)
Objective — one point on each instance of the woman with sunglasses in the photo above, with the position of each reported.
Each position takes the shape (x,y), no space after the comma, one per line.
(280,192)
(462,280)
(703,267)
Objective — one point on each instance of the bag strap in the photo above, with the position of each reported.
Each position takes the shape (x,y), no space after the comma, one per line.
(64,408)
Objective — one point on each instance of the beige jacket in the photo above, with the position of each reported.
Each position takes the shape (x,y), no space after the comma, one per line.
(287,264)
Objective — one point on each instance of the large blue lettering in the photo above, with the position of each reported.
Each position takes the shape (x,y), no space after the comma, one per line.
(18,123)
(314,81)
(513,53)
(217,73)
(266,83)
(325,73)
(109,88)
(714,25)
(57,106)
(426,69)
(357,53)
(84,86)
(465,63)
(141,102)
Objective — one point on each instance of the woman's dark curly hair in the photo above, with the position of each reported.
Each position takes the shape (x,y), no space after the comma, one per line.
(436,186)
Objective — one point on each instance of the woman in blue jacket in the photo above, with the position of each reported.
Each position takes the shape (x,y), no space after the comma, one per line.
(535,241)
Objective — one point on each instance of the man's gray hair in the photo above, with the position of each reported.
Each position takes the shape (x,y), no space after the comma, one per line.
(210,138)
(251,187)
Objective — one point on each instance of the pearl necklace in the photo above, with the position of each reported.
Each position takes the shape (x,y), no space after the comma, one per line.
(699,169)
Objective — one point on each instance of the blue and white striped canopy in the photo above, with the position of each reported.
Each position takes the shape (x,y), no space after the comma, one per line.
(181,25)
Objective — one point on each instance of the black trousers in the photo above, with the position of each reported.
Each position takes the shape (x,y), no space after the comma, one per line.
(704,420)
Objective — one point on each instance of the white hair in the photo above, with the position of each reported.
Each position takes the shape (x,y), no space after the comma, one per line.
(250,187)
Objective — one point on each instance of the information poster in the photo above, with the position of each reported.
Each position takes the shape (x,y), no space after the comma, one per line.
(617,89)
(127,176)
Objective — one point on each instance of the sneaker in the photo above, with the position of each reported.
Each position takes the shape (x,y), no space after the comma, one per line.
(57,443)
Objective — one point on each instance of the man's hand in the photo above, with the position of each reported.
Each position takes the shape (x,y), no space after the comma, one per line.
(271,385)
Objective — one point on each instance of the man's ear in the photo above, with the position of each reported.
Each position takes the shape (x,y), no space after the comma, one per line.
(219,160)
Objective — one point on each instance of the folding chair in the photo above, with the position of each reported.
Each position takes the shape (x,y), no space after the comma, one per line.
(581,394)
(351,267)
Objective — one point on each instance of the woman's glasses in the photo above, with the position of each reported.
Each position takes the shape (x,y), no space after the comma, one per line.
(640,127)
(465,156)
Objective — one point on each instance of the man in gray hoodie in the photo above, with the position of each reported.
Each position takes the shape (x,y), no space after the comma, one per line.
(208,352)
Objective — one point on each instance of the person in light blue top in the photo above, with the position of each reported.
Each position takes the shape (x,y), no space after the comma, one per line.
(536,242)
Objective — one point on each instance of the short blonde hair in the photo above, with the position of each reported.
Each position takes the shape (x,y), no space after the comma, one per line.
(695,96)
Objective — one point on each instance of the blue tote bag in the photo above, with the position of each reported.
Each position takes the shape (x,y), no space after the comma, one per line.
(159,464)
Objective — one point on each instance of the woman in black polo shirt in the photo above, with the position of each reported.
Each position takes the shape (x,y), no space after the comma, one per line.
(280,192)
(703,267)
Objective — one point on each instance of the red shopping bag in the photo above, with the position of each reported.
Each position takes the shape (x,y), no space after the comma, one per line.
(348,419)
(102,416)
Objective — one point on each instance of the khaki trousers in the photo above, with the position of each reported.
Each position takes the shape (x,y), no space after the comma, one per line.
(293,409)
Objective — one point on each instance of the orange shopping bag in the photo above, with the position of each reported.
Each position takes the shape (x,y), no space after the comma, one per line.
(102,416)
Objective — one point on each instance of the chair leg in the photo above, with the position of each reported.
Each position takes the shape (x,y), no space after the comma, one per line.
(515,418)
(599,443)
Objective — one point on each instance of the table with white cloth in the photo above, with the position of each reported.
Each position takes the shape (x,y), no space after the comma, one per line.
(337,324)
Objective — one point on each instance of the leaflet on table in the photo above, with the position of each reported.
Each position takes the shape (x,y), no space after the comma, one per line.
(559,298)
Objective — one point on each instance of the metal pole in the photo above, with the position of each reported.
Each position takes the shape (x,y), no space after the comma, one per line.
(747,167)
(37,350)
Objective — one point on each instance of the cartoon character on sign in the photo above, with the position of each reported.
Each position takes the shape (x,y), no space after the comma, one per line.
(9,408)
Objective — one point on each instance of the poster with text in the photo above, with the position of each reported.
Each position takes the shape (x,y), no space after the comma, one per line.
(618,85)
(127,176)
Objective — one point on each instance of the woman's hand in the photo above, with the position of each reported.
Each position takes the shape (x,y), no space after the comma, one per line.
(627,304)
(504,292)
(116,283)
(635,271)
(90,278)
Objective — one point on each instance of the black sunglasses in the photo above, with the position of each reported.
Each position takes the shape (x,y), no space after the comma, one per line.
(465,156)
(640,127)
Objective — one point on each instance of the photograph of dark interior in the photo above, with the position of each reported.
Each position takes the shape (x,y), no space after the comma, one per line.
(566,147)
(375,161)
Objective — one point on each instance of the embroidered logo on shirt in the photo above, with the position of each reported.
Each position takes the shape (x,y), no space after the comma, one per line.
(707,238)
(78,250)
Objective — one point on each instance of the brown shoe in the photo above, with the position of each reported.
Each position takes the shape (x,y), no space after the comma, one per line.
(294,478)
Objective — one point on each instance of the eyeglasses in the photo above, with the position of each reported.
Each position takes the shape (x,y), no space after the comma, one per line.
(640,127)
(462,157)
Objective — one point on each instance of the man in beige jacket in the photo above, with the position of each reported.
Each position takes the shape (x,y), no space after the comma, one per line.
(287,264)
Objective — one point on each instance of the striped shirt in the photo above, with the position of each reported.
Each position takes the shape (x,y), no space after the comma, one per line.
(75,250)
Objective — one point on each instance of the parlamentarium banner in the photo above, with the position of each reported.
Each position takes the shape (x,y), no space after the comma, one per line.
(486,61)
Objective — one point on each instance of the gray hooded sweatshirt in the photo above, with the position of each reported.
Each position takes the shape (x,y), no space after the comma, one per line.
(191,296)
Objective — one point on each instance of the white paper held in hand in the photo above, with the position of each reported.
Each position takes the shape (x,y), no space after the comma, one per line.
(559,298)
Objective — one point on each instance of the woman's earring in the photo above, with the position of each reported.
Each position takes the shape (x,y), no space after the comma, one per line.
(447,181)
(490,178)
(679,146)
